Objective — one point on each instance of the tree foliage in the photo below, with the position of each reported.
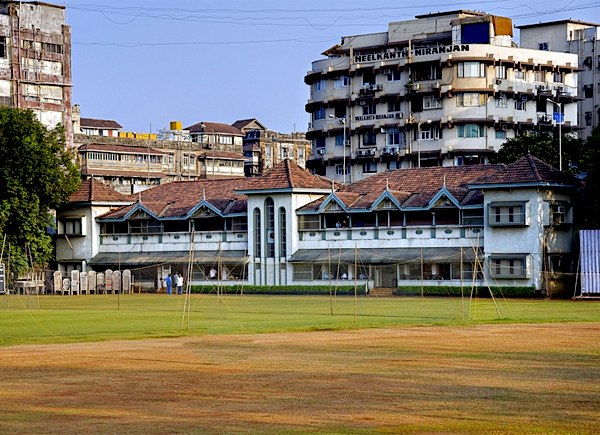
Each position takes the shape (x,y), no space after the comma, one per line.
(37,174)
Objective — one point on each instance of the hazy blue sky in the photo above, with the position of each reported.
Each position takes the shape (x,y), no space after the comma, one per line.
(144,63)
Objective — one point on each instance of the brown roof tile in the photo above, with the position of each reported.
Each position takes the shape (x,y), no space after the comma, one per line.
(214,127)
(528,169)
(92,190)
(99,123)
(288,175)
(221,155)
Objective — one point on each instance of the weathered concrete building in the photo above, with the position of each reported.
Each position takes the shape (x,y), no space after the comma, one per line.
(264,148)
(35,61)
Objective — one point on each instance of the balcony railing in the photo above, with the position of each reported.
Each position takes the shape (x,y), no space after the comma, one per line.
(158,242)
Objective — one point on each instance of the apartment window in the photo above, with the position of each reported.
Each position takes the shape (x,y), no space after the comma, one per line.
(427,72)
(588,119)
(257,233)
(506,214)
(319,113)
(539,76)
(431,102)
(470,131)
(319,85)
(509,266)
(394,106)
(395,137)
(319,143)
(429,132)
(370,109)
(341,82)
(519,74)
(470,99)
(500,134)
(339,140)
(394,164)
(52,48)
(282,232)
(471,69)
(3,47)
(227,140)
(543,46)
(558,77)
(339,170)
(369,167)
(393,75)
(309,222)
(501,101)
(369,138)
(521,104)
(368,77)
(500,71)
(72,227)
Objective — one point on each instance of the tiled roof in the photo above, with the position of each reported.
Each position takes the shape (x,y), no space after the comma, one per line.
(527,169)
(124,149)
(246,123)
(214,127)
(288,175)
(221,155)
(178,198)
(100,123)
(92,190)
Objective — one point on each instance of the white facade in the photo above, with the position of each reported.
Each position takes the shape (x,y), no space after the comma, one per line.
(580,38)
(444,89)
(496,225)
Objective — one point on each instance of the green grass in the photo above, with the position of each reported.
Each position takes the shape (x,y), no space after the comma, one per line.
(60,319)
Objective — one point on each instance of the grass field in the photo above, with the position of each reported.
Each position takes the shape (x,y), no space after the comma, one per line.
(264,364)
(58,319)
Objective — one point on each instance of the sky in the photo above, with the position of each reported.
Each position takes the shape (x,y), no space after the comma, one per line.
(144,63)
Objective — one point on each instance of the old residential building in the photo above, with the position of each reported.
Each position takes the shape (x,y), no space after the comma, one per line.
(265,148)
(35,61)
(445,89)
(583,39)
(497,225)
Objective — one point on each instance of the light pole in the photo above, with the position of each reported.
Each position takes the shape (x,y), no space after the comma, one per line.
(343,122)
(559,122)
(419,140)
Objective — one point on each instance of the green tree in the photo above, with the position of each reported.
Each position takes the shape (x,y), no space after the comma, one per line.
(37,174)
(545,147)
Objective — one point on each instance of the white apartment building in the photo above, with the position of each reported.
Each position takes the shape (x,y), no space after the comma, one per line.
(443,89)
(478,225)
(581,38)
(35,61)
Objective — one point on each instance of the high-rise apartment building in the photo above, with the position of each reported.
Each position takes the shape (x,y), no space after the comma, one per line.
(443,89)
(581,38)
(35,61)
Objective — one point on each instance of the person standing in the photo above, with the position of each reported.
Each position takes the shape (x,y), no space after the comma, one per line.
(180,284)
(175,279)
(169,284)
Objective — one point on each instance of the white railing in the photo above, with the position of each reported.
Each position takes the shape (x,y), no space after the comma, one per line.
(166,242)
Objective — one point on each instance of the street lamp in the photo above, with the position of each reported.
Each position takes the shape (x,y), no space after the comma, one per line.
(559,122)
(343,122)
(419,140)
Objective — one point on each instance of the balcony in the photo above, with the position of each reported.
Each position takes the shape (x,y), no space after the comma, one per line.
(164,242)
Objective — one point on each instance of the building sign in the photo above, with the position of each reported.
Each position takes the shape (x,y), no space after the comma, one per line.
(392,115)
(394,55)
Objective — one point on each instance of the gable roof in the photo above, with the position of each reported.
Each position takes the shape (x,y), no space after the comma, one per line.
(99,123)
(527,170)
(92,190)
(249,124)
(288,175)
(179,198)
(214,127)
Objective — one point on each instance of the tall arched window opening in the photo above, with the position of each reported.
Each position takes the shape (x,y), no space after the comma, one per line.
(270,227)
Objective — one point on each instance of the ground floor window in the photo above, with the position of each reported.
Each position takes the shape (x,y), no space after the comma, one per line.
(510,266)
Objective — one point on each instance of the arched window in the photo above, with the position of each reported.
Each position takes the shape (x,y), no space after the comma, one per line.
(257,231)
(270,227)
(282,233)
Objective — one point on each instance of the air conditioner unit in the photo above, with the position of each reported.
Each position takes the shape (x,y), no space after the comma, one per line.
(561,209)
(370,152)
(321,151)
(561,89)
(347,143)
(498,81)
(209,146)
(544,88)
(416,86)
(437,85)
(362,102)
